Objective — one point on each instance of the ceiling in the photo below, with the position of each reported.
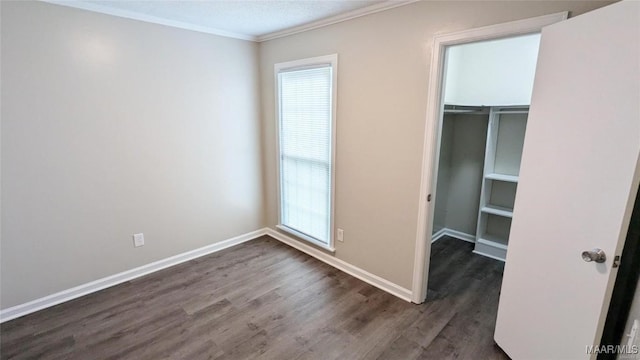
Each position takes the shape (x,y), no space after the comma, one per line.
(246,19)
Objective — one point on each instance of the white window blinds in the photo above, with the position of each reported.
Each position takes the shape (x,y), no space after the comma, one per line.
(305,106)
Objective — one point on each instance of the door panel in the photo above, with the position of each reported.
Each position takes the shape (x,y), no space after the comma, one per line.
(577,184)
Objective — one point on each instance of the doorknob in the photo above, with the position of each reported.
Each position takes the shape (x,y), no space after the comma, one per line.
(596,255)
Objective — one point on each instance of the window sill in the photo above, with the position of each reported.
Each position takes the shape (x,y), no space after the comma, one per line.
(306,238)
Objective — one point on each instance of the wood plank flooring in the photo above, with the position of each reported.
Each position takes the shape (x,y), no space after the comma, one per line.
(265,300)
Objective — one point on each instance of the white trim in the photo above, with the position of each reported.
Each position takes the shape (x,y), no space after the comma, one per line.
(149,18)
(313,62)
(372,9)
(434,113)
(331,60)
(513,28)
(109,281)
(306,237)
(380,283)
(454,234)
(438,235)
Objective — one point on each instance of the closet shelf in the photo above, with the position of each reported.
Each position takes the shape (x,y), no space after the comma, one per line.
(513,112)
(524,109)
(497,210)
(493,241)
(502,177)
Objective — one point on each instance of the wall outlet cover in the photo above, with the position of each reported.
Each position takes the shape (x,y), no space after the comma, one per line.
(138,240)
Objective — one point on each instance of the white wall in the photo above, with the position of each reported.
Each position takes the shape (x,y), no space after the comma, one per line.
(444,174)
(466,171)
(492,73)
(460,172)
(384,59)
(112,127)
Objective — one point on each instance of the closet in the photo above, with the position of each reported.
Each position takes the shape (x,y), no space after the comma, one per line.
(486,102)
(505,138)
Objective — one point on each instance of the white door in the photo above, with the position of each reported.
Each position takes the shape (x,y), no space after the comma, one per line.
(578,180)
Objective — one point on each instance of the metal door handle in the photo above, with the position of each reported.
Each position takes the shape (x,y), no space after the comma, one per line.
(596,255)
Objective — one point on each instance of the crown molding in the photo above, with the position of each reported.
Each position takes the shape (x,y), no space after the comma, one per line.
(149,18)
(372,9)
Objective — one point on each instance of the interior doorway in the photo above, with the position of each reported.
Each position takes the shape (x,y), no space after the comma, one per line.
(484,118)
(487,91)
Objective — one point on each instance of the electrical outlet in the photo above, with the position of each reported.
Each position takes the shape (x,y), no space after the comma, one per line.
(138,239)
(340,235)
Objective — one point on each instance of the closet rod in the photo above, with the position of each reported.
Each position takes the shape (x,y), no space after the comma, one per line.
(453,109)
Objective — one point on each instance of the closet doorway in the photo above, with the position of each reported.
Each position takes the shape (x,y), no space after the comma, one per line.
(481,86)
(487,91)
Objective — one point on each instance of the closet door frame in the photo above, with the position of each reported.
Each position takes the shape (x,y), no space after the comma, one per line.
(431,142)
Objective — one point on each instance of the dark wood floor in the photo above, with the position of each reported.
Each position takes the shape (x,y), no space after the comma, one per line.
(263,299)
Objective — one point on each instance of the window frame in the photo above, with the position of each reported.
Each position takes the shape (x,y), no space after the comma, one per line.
(309,63)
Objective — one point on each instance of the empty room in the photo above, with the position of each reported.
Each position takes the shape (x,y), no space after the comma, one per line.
(319,179)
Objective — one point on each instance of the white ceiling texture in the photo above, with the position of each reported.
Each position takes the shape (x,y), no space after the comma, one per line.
(255,20)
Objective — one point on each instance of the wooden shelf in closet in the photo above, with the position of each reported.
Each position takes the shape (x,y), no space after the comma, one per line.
(502,177)
(497,210)
(494,241)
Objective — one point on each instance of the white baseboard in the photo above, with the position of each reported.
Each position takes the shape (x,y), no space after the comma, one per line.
(454,234)
(109,281)
(97,285)
(438,235)
(375,280)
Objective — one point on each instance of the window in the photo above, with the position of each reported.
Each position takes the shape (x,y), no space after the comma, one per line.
(306,128)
